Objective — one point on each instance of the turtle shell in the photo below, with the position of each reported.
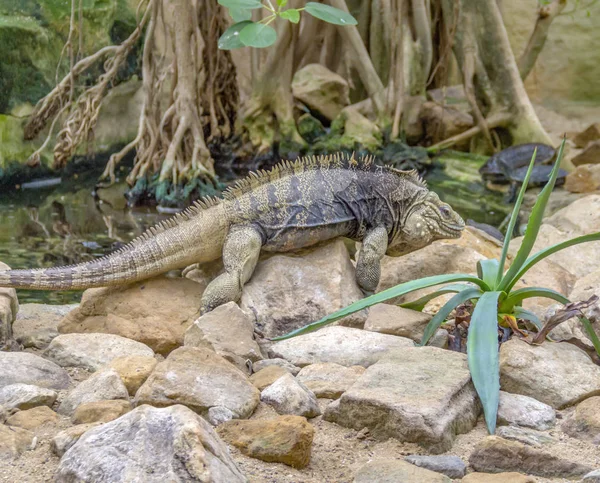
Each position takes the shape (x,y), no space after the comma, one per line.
(500,167)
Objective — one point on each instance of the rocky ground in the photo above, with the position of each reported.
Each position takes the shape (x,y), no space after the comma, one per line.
(131,385)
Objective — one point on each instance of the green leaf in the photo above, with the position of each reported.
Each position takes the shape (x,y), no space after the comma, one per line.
(231,37)
(241,4)
(291,14)
(240,14)
(533,225)
(516,298)
(438,319)
(482,354)
(420,303)
(330,14)
(513,219)
(487,270)
(521,313)
(258,35)
(388,294)
(546,252)
(282,3)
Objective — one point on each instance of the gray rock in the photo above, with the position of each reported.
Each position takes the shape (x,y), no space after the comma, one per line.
(451,466)
(343,345)
(530,437)
(199,379)
(329,380)
(37,324)
(397,471)
(419,394)
(519,410)
(26,396)
(395,320)
(150,445)
(584,423)
(26,368)
(219,415)
(92,351)
(39,339)
(226,330)
(100,386)
(289,396)
(14,442)
(592,477)
(291,368)
(63,440)
(557,374)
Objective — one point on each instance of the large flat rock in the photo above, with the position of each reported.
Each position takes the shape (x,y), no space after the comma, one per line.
(27,368)
(422,395)
(343,345)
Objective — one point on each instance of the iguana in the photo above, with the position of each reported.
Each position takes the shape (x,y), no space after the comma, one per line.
(294,205)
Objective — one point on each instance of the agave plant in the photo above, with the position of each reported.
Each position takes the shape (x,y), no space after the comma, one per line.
(492,294)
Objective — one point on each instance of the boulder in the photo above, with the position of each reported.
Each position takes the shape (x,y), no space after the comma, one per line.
(33,418)
(494,455)
(590,154)
(155,312)
(509,477)
(449,465)
(278,361)
(289,396)
(394,320)
(37,324)
(519,410)
(395,471)
(321,90)
(151,445)
(585,179)
(26,368)
(342,345)
(100,411)
(199,379)
(529,437)
(267,376)
(288,291)
(92,351)
(328,379)
(583,138)
(9,306)
(228,331)
(578,218)
(100,386)
(134,370)
(556,374)
(26,396)
(584,423)
(422,395)
(68,437)
(358,129)
(284,439)
(14,442)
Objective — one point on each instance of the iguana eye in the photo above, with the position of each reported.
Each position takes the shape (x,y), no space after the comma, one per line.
(445,211)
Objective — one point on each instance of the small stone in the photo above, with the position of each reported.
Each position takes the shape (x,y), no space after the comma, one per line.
(39,339)
(527,436)
(519,410)
(328,379)
(590,155)
(134,370)
(285,439)
(592,477)
(14,442)
(585,179)
(451,466)
(291,368)
(26,396)
(510,477)
(584,423)
(343,345)
(26,368)
(494,454)
(92,351)
(396,471)
(199,379)
(100,411)
(33,418)
(67,438)
(150,445)
(226,330)
(556,374)
(219,414)
(395,320)
(592,133)
(267,376)
(288,396)
(101,386)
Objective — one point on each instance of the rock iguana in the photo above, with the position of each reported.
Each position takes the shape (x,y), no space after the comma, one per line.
(294,205)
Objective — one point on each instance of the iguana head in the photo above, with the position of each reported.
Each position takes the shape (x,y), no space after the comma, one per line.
(428,219)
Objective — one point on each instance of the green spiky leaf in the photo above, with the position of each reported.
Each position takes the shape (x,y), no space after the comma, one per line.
(487,270)
(420,303)
(330,14)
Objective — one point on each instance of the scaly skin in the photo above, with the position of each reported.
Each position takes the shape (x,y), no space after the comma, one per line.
(295,205)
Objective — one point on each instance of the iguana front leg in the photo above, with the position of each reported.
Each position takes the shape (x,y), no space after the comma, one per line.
(368,266)
(240,255)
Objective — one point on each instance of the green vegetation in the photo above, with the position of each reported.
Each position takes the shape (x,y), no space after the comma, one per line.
(493,295)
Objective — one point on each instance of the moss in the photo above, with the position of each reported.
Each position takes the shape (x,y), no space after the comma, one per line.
(13,150)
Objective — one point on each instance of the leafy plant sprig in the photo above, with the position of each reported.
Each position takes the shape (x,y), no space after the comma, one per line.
(246,33)
(492,292)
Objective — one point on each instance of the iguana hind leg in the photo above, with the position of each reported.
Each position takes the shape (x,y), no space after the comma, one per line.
(368,266)
(240,255)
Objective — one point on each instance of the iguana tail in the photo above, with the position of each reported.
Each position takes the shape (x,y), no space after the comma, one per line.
(195,235)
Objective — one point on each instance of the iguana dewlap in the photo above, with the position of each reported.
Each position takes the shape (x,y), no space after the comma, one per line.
(294,205)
